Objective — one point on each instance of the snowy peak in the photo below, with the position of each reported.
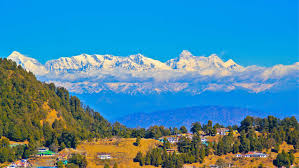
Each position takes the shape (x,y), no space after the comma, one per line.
(205,65)
(19,58)
(30,64)
(85,62)
(185,53)
(229,63)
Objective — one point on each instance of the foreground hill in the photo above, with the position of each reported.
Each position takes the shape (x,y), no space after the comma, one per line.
(42,113)
(189,115)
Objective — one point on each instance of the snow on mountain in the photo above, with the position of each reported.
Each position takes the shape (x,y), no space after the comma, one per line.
(85,62)
(28,63)
(205,65)
(138,74)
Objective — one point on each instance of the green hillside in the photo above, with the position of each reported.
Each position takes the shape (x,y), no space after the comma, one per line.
(43,114)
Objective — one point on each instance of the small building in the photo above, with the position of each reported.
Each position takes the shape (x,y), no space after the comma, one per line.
(256,154)
(187,135)
(104,156)
(222,131)
(173,140)
(42,149)
(252,154)
(46,153)
(238,155)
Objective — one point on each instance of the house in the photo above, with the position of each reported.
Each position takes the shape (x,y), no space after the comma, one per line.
(42,149)
(19,163)
(238,155)
(188,135)
(256,154)
(47,153)
(252,154)
(104,156)
(173,140)
(222,131)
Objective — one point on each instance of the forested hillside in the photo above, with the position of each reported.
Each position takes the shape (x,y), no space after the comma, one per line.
(42,113)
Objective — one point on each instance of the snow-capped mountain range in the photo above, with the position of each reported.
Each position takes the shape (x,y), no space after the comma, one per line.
(137,74)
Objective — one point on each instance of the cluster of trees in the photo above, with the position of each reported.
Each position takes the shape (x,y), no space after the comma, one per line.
(9,154)
(284,159)
(190,151)
(159,156)
(154,132)
(276,129)
(77,161)
(272,132)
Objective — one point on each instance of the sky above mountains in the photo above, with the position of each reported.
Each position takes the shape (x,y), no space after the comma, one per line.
(249,32)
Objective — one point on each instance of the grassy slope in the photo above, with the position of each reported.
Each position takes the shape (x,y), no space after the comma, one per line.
(122,150)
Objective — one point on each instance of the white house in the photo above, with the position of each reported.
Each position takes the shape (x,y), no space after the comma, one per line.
(104,156)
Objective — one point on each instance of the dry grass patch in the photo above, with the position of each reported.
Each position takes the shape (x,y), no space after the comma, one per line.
(52,114)
(121,150)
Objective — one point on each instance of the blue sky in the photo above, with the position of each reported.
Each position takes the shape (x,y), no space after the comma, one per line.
(262,32)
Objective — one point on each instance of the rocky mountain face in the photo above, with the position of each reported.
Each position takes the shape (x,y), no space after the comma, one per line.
(137,74)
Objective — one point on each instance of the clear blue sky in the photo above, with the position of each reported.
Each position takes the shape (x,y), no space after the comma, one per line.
(262,32)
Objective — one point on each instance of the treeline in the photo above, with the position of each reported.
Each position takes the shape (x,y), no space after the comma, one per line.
(256,134)
(154,132)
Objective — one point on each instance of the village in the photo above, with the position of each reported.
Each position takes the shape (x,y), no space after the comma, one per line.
(103,151)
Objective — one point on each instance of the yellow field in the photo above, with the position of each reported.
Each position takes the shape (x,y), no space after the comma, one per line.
(121,150)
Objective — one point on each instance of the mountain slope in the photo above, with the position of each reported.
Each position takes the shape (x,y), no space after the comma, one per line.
(42,113)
